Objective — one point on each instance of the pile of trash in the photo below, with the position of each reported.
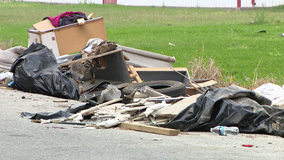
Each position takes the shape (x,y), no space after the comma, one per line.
(117,89)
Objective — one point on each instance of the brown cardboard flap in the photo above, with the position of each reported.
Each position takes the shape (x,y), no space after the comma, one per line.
(73,38)
(43,25)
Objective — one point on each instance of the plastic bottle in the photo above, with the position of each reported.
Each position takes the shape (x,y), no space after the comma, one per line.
(223,130)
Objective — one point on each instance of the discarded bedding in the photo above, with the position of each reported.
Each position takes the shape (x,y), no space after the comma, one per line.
(231,106)
(7,57)
(36,71)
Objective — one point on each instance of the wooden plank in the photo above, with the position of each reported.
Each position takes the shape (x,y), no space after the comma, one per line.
(90,16)
(204,84)
(160,69)
(150,129)
(134,74)
(176,108)
(91,57)
(81,21)
(91,110)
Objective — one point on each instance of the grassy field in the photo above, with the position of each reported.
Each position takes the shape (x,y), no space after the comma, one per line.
(227,36)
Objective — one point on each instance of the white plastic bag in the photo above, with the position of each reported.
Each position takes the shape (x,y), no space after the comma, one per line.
(110,93)
(273,92)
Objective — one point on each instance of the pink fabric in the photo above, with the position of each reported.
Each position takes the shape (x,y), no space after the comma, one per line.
(55,20)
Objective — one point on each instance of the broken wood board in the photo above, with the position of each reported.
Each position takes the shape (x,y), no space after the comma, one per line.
(91,57)
(150,129)
(176,108)
(81,21)
(134,74)
(203,84)
(199,87)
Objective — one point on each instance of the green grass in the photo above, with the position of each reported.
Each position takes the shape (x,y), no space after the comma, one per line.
(237,48)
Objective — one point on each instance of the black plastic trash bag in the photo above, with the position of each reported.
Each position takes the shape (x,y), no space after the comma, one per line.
(36,71)
(231,106)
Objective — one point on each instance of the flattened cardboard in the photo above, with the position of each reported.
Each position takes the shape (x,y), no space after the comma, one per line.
(43,25)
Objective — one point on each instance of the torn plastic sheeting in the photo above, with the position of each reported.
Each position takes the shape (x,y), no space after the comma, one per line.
(45,115)
(36,71)
(59,114)
(231,106)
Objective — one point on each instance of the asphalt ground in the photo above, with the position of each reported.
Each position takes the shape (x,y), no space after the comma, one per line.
(23,139)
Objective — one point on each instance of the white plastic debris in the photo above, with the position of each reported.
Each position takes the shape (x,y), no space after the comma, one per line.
(157,108)
(43,121)
(79,118)
(5,75)
(110,93)
(273,92)
(92,43)
(110,123)
(115,121)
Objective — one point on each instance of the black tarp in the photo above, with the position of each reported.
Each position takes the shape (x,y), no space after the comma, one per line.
(231,106)
(37,71)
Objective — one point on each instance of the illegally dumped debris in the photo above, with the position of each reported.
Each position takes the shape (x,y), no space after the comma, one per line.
(114,113)
(94,47)
(121,91)
(231,106)
(36,71)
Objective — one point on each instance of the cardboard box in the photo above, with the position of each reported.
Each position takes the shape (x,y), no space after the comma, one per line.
(67,39)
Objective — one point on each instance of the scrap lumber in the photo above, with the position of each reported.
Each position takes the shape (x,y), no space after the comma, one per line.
(176,108)
(134,74)
(91,57)
(91,110)
(6,88)
(150,129)
(81,21)
(90,16)
(204,84)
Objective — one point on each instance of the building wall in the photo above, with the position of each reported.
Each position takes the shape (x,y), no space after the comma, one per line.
(177,3)
(66,1)
(201,3)
(264,3)
(180,3)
